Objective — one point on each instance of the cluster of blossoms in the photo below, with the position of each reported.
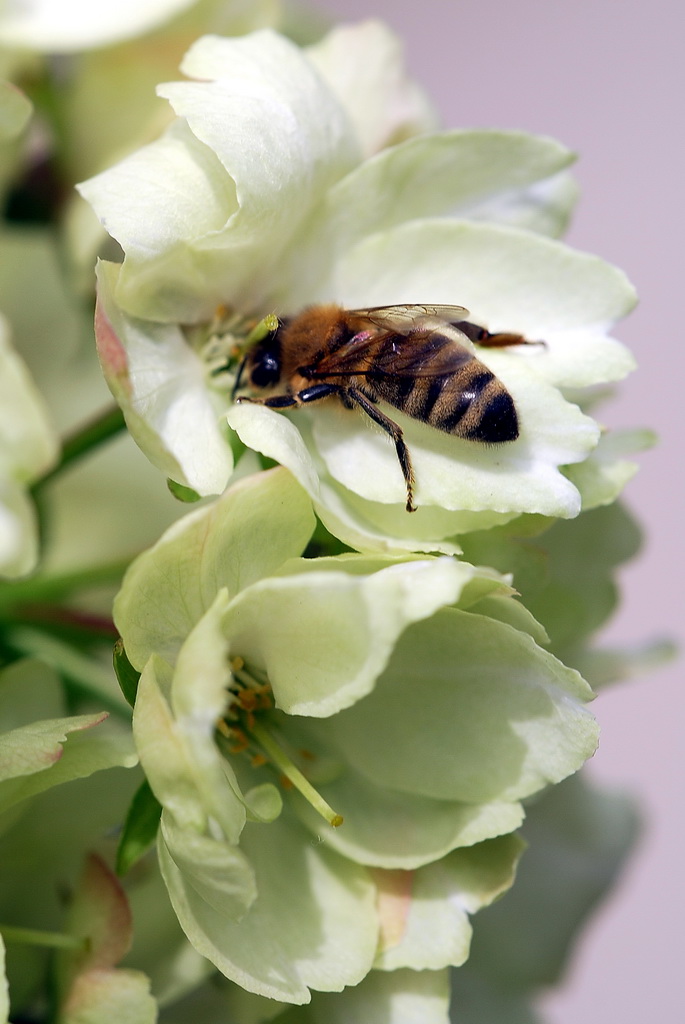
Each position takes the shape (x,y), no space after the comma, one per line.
(341,709)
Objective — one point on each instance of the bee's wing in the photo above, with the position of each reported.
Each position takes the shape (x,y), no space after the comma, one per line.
(434,351)
(407,317)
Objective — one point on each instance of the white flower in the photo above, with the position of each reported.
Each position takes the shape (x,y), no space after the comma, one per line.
(258,199)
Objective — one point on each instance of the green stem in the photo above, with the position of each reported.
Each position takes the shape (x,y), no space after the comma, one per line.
(94,433)
(88,676)
(54,587)
(292,772)
(33,937)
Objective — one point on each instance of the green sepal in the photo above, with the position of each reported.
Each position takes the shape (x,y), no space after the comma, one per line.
(127,675)
(181,492)
(140,828)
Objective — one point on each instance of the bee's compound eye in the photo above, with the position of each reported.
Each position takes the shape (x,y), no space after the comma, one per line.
(266,370)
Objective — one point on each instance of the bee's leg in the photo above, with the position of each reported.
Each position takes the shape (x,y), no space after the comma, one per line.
(483,337)
(310,394)
(275,402)
(395,432)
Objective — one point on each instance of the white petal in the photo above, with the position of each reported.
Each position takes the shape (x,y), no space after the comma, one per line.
(74,25)
(364,66)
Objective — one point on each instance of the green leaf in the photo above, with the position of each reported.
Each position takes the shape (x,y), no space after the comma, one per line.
(183,493)
(127,676)
(140,828)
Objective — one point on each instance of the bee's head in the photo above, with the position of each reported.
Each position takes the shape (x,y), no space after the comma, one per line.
(264,362)
(261,364)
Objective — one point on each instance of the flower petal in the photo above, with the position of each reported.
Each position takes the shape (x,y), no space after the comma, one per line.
(160,384)
(364,66)
(216,230)
(313,922)
(510,280)
(40,25)
(246,534)
(431,926)
(400,997)
(324,637)
(215,870)
(505,717)
(388,829)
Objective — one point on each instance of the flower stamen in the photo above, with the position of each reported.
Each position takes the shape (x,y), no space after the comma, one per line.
(239,725)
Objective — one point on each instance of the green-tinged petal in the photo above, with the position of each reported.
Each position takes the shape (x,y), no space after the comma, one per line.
(217,872)
(364,66)
(213,232)
(246,534)
(398,997)
(388,829)
(190,791)
(313,922)
(199,698)
(602,477)
(425,913)
(578,838)
(324,637)
(15,111)
(70,26)
(495,606)
(470,709)
(160,384)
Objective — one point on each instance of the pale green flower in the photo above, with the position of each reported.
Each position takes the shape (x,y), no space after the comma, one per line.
(405,694)
(28,447)
(270,206)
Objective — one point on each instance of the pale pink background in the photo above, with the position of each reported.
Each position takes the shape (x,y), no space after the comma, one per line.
(606,78)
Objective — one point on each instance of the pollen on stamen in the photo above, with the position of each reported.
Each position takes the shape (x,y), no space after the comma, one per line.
(224,728)
(240,740)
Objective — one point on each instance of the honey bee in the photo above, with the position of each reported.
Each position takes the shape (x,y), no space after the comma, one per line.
(419,359)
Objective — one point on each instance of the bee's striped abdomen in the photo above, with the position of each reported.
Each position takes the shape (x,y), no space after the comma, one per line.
(470,403)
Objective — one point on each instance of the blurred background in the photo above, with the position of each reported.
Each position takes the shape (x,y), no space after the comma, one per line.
(608,80)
